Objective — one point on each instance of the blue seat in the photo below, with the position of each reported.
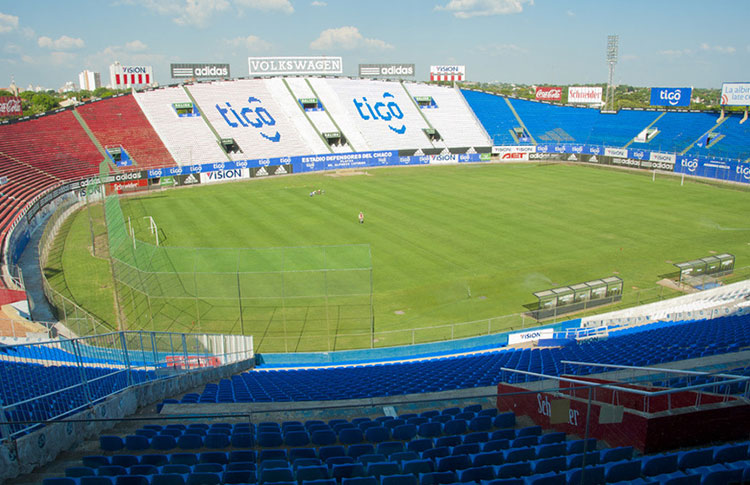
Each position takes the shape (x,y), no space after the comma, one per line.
(505,481)
(325,452)
(477,474)
(200,478)
(359,481)
(437,478)
(455,426)
(178,469)
(111,471)
(273,463)
(554,464)
(480,423)
(619,471)
(450,441)
(372,458)
(429,414)
(450,411)
(271,455)
(418,466)
(340,460)
(577,446)
(146,470)
(323,437)
(188,459)
(504,420)
(490,412)
(99,480)
(240,465)
(190,441)
(658,464)
(377,434)
(576,460)
(466,449)
(496,445)
(350,436)
(208,468)
(306,462)
(476,437)
(620,453)
(513,470)
(554,437)
(239,476)
(296,438)
(317,472)
(717,474)
(529,431)
(360,449)
(124,460)
(270,439)
(513,455)
(79,471)
(271,475)
(59,481)
(420,444)
(592,475)
(328,481)
(695,458)
(154,459)
(430,430)
(398,479)
(113,443)
(524,441)
(164,442)
(138,443)
(730,452)
(474,408)
(503,434)
(347,470)
(216,440)
(550,450)
(404,432)
(434,453)
(676,478)
(132,480)
(388,448)
(551,478)
(167,479)
(487,458)
(242,440)
(452,463)
(213,457)
(377,469)
(242,455)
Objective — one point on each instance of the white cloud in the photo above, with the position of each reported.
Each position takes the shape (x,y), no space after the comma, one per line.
(62,58)
(251,43)
(12,48)
(133,52)
(318,3)
(718,48)
(464,9)
(8,23)
(347,38)
(570,13)
(268,5)
(502,49)
(675,52)
(184,12)
(28,59)
(135,46)
(63,43)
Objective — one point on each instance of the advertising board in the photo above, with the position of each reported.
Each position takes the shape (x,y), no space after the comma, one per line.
(224,175)
(530,336)
(735,94)
(548,93)
(716,169)
(671,96)
(585,94)
(10,106)
(122,77)
(199,71)
(303,65)
(447,73)
(386,70)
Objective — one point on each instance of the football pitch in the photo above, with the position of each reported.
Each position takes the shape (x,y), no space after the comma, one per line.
(450,244)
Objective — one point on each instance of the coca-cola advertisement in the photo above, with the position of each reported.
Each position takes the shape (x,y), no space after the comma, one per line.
(10,106)
(548,93)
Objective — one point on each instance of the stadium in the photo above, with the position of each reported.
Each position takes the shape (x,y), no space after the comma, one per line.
(326,280)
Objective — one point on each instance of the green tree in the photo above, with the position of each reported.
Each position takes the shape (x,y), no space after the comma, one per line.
(42,102)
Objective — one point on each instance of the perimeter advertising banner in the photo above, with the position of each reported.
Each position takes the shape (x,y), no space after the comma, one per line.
(671,96)
(10,106)
(199,71)
(716,169)
(585,94)
(275,66)
(447,73)
(547,93)
(386,70)
(735,94)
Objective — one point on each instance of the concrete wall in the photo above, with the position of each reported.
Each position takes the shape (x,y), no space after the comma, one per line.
(42,446)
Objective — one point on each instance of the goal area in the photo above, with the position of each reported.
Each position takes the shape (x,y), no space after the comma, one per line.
(289,298)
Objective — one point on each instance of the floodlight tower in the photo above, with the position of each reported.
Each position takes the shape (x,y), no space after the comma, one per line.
(612,47)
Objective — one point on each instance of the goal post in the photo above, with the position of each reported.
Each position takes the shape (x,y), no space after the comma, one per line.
(307,298)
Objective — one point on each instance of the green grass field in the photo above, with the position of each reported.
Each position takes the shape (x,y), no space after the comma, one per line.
(449,244)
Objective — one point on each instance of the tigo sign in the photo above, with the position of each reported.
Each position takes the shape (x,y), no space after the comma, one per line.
(671,96)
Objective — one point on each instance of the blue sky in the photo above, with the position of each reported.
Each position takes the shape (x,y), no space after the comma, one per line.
(662,42)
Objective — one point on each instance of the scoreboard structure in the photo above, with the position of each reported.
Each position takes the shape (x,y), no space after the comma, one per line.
(125,77)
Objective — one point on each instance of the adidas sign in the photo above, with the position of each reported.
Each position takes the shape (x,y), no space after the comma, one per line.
(261,172)
(190,179)
(419,153)
(593,159)
(281,170)
(572,158)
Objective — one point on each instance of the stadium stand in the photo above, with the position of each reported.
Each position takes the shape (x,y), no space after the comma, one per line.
(249,112)
(677,131)
(495,115)
(188,139)
(320,118)
(451,117)
(729,140)
(642,346)
(118,121)
(552,124)
(381,111)
(53,143)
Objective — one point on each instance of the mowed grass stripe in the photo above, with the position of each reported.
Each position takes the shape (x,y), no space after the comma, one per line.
(442,237)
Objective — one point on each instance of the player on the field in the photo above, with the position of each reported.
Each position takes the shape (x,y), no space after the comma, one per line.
(361,217)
